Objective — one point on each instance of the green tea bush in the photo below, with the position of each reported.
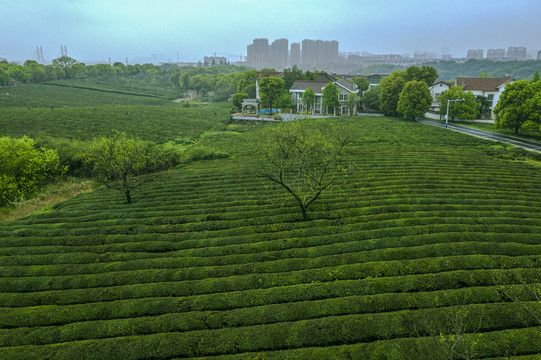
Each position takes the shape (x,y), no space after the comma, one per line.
(197,153)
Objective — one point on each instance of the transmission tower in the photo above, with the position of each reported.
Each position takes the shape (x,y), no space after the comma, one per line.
(64,50)
(39,54)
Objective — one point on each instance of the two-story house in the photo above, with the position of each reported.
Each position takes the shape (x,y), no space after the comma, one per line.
(491,88)
(345,89)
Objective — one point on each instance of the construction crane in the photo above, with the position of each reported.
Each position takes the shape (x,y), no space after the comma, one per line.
(238,56)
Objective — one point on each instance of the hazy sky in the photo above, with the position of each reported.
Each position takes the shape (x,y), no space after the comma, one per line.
(98,29)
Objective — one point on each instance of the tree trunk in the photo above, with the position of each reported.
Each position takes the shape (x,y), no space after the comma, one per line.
(128,196)
(304,213)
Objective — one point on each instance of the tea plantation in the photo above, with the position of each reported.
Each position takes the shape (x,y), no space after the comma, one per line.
(77,113)
(429,248)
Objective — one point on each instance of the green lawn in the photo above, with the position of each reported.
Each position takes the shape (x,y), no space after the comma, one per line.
(430,234)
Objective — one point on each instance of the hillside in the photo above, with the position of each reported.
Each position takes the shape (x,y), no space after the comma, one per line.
(450,70)
(431,243)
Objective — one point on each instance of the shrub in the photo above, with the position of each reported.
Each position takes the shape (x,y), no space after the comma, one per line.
(23,168)
(200,152)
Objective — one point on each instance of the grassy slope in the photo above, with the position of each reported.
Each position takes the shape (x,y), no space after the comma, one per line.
(207,262)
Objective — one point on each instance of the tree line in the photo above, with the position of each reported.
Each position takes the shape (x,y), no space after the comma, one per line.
(406,93)
(221,80)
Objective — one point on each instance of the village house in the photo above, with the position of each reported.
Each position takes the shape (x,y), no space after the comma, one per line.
(491,88)
(435,91)
(345,89)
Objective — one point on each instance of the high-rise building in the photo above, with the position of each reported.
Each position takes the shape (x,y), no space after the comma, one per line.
(319,53)
(257,53)
(496,54)
(308,53)
(314,54)
(539,55)
(279,54)
(475,54)
(295,54)
(516,53)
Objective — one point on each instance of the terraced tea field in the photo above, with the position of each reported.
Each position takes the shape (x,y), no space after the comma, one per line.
(431,244)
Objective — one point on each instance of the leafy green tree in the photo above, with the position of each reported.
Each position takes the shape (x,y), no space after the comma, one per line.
(119,162)
(174,80)
(330,96)
(4,77)
(391,87)
(271,88)
(54,73)
(303,157)
(37,73)
(484,106)
(362,84)
(19,73)
(247,78)
(184,81)
(370,99)
(425,73)
(414,100)
(201,83)
(64,61)
(250,90)
(76,71)
(308,99)
(290,75)
(535,77)
(518,104)
(465,110)
(284,102)
(23,168)
(353,102)
(222,82)
(238,98)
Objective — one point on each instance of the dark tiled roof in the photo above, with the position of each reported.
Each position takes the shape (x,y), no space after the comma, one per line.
(324,77)
(443,82)
(305,84)
(490,84)
(319,85)
(348,85)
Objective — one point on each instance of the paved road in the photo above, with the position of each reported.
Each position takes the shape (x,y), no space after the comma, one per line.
(526,144)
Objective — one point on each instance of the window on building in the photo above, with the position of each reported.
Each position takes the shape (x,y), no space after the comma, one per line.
(491,98)
(343,97)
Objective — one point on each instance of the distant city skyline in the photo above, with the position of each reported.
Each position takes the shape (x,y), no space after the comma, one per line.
(319,54)
(169,30)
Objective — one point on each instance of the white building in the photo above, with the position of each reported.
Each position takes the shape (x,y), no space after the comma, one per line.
(345,89)
(491,88)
